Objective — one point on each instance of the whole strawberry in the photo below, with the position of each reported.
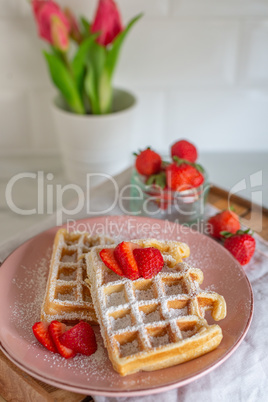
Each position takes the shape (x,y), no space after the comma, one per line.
(185,150)
(182,175)
(223,221)
(148,162)
(241,245)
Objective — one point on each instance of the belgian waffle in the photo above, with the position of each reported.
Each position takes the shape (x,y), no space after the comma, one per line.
(68,296)
(148,324)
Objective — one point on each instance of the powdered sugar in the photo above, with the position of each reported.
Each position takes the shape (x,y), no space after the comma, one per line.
(159,340)
(154,316)
(129,348)
(30,283)
(146,294)
(178,312)
(176,289)
(188,334)
(115,299)
(120,323)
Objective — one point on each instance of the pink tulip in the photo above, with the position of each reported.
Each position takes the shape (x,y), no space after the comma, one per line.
(74,30)
(107,22)
(59,33)
(43,12)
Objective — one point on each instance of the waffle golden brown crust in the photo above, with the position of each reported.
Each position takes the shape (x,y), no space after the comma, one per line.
(148,324)
(68,296)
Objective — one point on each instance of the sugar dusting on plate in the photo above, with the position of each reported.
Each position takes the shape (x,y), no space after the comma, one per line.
(25,313)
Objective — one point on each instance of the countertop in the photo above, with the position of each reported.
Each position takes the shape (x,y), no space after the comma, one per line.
(245,174)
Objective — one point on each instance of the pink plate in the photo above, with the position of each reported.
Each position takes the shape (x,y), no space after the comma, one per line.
(22,285)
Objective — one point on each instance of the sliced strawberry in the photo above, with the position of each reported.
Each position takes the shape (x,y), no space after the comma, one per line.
(149,260)
(107,256)
(40,330)
(56,329)
(123,253)
(80,338)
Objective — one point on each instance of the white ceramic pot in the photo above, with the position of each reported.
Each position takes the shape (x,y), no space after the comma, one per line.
(99,144)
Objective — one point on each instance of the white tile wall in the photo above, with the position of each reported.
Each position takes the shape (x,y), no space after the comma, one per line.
(199,68)
(15,121)
(22,64)
(151,119)
(180,53)
(42,126)
(13,8)
(223,8)
(254,52)
(128,8)
(219,119)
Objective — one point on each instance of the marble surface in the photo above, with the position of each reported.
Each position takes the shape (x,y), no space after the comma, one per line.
(245,174)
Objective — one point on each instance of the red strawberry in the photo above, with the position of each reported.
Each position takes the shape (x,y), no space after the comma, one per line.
(148,162)
(223,221)
(150,261)
(242,245)
(40,330)
(183,176)
(123,253)
(56,329)
(107,256)
(80,338)
(185,150)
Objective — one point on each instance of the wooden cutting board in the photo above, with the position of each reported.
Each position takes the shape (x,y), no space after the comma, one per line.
(16,385)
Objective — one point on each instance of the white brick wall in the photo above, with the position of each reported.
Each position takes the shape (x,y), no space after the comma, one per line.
(199,68)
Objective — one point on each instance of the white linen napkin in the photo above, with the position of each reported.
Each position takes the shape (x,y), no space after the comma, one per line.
(242,377)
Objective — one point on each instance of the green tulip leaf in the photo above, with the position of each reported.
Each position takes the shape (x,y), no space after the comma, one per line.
(80,61)
(113,53)
(64,81)
(85,27)
(91,91)
(96,78)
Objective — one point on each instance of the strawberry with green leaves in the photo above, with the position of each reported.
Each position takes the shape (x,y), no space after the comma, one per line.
(226,220)
(182,175)
(185,150)
(241,245)
(148,162)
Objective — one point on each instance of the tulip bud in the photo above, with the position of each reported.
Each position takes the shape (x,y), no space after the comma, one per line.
(107,22)
(59,34)
(43,12)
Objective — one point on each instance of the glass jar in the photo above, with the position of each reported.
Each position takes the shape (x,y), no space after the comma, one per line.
(185,207)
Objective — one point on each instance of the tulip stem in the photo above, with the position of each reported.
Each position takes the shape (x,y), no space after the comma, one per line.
(66,62)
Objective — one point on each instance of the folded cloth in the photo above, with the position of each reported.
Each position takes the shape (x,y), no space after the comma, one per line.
(242,377)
